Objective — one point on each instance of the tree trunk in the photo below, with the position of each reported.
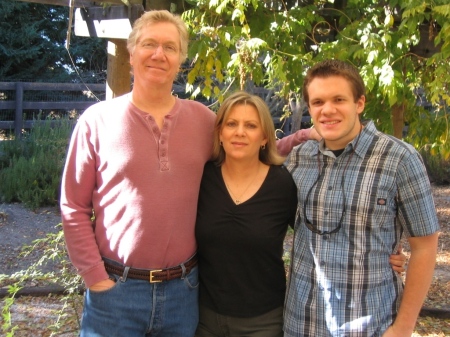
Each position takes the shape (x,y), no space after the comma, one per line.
(174,6)
(398,121)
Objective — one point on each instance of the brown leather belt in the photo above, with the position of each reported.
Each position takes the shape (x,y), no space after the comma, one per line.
(154,276)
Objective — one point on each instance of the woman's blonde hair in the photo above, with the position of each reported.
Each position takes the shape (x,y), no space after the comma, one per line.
(158,16)
(268,155)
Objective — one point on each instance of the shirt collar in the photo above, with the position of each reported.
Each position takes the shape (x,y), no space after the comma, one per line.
(362,142)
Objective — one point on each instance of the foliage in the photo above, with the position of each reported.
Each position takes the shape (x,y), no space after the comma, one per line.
(31,167)
(272,43)
(437,167)
(32,45)
(6,313)
(429,131)
(53,251)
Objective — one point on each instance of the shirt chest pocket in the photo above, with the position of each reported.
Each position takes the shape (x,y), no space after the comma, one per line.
(375,207)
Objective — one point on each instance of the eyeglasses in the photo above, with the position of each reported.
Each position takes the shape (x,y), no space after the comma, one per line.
(309,224)
(168,48)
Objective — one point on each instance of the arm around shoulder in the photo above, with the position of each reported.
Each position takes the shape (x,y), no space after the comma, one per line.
(286,144)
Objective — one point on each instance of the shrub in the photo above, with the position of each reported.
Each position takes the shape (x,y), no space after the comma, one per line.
(438,168)
(31,167)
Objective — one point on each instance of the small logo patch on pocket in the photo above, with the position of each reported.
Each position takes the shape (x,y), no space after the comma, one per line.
(381,201)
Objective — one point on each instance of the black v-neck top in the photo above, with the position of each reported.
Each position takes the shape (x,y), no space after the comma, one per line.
(240,247)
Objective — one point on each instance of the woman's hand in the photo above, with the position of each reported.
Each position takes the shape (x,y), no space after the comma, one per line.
(398,261)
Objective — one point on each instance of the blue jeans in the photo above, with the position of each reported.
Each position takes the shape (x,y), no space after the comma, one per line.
(137,308)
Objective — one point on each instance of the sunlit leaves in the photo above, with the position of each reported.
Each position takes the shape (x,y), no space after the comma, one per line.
(273,47)
(444,10)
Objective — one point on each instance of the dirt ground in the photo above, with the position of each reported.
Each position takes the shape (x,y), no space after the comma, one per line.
(20,226)
(34,316)
(439,294)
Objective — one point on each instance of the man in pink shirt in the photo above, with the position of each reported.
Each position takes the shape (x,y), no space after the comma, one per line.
(134,166)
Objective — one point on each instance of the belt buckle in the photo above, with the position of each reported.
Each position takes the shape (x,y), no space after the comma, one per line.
(152,276)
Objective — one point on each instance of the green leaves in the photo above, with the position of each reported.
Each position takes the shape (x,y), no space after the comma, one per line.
(273,46)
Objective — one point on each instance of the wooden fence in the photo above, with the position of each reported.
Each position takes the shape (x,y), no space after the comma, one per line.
(12,97)
(19,104)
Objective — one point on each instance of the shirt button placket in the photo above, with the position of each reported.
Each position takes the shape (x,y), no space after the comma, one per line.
(163,147)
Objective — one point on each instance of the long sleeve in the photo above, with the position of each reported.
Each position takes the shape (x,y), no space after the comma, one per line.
(76,207)
(286,144)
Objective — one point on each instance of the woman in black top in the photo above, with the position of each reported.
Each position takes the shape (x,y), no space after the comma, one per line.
(247,200)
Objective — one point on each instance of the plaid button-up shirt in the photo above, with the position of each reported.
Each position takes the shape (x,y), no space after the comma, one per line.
(342,284)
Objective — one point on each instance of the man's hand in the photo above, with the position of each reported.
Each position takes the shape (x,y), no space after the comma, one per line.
(102,285)
(391,332)
(314,134)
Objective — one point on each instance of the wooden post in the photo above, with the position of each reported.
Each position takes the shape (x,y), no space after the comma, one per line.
(18,122)
(118,80)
